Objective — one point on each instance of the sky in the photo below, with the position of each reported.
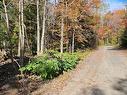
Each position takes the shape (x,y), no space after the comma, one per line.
(116,4)
(113,4)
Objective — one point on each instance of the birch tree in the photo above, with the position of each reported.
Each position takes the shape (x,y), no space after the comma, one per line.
(62,33)
(73,41)
(8,30)
(38,29)
(43,27)
(19,44)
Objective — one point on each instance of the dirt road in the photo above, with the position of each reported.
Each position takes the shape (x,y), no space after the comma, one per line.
(103,73)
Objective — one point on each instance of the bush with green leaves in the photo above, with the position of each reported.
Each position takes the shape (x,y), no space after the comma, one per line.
(51,64)
(123,39)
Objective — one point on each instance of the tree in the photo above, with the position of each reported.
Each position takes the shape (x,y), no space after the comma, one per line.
(43,27)
(66,25)
(62,33)
(20,31)
(38,29)
(123,39)
(22,35)
(8,31)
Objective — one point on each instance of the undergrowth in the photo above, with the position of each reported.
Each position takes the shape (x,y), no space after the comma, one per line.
(53,63)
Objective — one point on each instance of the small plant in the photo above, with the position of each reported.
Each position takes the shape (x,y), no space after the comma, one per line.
(51,64)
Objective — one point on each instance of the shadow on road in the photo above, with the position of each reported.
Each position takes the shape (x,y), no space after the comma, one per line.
(121,86)
(97,91)
(116,48)
(93,91)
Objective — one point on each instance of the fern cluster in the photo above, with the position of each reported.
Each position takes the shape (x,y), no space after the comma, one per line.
(51,64)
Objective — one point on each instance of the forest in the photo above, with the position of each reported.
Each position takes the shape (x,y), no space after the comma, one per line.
(42,39)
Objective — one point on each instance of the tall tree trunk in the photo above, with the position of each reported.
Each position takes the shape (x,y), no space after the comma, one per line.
(8,31)
(73,41)
(62,31)
(38,29)
(22,32)
(27,40)
(6,15)
(43,27)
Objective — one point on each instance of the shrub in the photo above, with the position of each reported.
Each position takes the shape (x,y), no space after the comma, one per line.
(51,64)
(123,39)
